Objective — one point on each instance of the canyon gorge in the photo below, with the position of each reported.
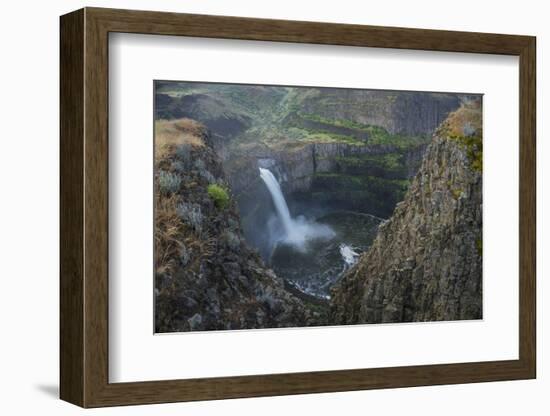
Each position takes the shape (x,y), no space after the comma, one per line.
(288,206)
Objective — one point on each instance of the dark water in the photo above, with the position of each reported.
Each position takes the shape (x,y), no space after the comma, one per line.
(317,267)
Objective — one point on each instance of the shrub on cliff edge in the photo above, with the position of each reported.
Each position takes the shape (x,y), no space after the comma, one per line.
(219,195)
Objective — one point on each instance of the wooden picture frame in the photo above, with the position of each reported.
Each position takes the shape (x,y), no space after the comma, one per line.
(84,207)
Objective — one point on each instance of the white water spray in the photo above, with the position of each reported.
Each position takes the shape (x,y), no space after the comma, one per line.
(348,254)
(278,199)
(296,231)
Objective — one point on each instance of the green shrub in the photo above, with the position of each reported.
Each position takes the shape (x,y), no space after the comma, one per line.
(219,195)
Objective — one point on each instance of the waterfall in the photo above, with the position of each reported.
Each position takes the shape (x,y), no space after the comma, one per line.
(296,231)
(278,199)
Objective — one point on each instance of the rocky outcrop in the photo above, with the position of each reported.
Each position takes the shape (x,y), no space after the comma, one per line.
(425,263)
(206,277)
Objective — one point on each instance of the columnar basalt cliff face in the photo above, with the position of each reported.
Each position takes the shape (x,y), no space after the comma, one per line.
(409,114)
(425,264)
(298,166)
(206,277)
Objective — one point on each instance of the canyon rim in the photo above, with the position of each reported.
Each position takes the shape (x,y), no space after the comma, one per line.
(280,206)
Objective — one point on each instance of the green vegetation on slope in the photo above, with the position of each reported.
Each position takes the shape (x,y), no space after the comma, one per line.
(474,149)
(464,126)
(219,195)
(386,163)
(349,131)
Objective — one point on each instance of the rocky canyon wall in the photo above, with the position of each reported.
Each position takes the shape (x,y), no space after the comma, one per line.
(426,262)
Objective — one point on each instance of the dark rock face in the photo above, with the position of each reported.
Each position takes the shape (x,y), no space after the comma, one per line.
(296,167)
(211,280)
(425,264)
(413,113)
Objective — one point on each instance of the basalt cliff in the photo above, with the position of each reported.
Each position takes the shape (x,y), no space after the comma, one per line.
(425,263)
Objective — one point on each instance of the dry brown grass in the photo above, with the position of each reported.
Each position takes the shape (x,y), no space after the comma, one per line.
(172,235)
(168,234)
(172,133)
(465,115)
(465,126)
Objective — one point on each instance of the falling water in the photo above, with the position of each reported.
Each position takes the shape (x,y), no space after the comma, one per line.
(278,199)
(309,254)
(296,231)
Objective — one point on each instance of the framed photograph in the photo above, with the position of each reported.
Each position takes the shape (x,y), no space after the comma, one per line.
(257,207)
